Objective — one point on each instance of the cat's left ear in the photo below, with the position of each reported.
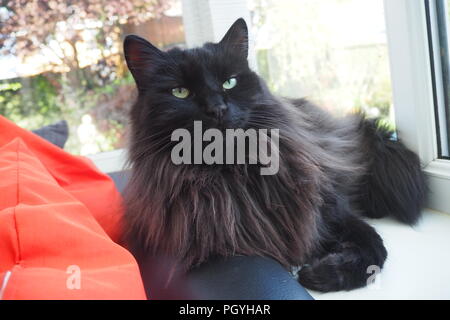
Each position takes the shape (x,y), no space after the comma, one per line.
(141,57)
(236,38)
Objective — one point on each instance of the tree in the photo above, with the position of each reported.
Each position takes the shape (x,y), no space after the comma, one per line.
(58,29)
(81,69)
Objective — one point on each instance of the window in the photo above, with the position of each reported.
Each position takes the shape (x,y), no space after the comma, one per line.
(438,23)
(344,54)
(419,69)
(63,60)
(68,65)
(312,49)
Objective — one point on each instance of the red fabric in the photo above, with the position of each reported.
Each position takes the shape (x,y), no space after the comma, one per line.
(58,211)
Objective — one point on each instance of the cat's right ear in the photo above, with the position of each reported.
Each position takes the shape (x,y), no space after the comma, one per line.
(236,38)
(141,57)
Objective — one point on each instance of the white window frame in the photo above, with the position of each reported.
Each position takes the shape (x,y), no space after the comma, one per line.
(413,95)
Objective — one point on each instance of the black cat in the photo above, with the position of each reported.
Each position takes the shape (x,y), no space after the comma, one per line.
(331,170)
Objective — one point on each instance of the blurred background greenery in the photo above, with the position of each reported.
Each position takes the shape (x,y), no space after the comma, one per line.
(63,59)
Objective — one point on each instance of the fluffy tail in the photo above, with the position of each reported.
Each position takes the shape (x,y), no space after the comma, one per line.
(395,184)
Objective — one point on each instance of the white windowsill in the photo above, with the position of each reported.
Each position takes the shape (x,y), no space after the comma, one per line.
(418,261)
(110,161)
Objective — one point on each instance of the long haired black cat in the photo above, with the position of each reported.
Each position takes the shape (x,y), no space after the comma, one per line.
(331,171)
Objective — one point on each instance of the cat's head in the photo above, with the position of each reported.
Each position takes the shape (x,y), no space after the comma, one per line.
(212,84)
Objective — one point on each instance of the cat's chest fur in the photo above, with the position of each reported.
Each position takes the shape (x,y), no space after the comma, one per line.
(194,212)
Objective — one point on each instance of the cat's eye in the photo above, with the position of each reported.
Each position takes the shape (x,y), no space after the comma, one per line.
(181,93)
(229,84)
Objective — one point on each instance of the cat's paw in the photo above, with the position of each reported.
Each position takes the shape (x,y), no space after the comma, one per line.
(321,278)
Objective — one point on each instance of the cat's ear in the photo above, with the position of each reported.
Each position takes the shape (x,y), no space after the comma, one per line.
(236,38)
(141,57)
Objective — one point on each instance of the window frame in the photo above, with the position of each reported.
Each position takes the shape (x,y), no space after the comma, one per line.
(416,89)
(439,47)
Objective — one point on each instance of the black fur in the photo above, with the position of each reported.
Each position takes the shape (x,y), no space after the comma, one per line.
(394,184)
(331,170)
(348,247)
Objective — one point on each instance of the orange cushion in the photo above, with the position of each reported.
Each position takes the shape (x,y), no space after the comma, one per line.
(77,175)
(58,214)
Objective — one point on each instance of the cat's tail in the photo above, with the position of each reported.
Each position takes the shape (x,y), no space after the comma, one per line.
(395,184)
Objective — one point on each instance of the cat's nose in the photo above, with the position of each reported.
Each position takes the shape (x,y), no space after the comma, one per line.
(216,110)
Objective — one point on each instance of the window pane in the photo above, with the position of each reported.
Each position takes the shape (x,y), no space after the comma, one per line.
(63,60)
(439,19)
(333,51)
(73,68)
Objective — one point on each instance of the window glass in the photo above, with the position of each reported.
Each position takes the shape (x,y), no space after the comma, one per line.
(63,60)
(438,23)
(332,51)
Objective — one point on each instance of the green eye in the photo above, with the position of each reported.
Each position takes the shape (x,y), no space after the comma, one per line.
(229,84)
(181,93)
